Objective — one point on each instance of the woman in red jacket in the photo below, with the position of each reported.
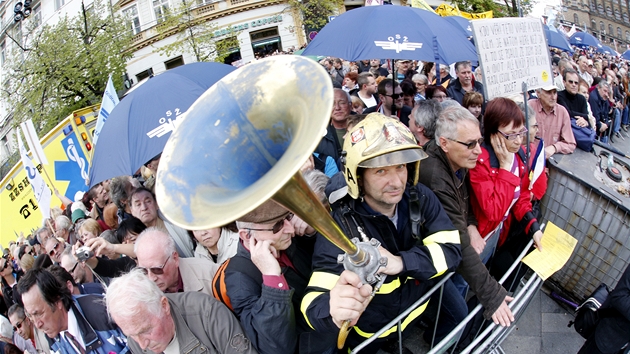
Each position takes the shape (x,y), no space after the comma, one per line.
(499,182)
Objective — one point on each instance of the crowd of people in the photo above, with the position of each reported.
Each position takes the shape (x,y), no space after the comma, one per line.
(425,165)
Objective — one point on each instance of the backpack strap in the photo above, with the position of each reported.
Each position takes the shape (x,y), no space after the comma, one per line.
(236,264)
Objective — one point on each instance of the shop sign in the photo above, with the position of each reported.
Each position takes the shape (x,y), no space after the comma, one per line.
(246,25)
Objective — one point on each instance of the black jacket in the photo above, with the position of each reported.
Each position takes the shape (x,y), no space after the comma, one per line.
(330,145)
(456,92)
(600,108)
(270,317)
(613,332)
(575,104)
(437,174)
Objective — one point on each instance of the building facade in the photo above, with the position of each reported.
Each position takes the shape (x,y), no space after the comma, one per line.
(608,20)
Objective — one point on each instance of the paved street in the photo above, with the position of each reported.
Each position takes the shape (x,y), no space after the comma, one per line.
(543,330)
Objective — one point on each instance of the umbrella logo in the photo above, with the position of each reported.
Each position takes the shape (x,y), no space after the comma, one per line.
(398,43)
(166,125)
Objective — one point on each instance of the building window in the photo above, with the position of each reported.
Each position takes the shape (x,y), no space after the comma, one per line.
(131,13)
(37,15)
(2,52)
(609,11)
(610,30)
(144,74)
(205,2)
(173,63)
(266,42)
(593,25)
(625,17)
(628,36)
(59,4)
(600,8)
(619,32)
(576,19)
(160,8)
(602,27)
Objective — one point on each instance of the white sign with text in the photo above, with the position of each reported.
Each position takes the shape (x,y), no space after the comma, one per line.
(512,51)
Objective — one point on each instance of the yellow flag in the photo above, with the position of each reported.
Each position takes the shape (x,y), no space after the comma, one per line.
(421,4)
(447,10)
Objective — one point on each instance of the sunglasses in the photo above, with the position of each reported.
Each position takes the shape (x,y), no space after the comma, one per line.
(471,145)
(573,82)
(395,95)
(18,325)
(54,250)
(515,135)
(155,270)
(277,226)
(6,264)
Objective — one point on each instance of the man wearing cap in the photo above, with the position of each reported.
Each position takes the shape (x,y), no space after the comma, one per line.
(583,65)
(265,281)
(554,123)
(420,242)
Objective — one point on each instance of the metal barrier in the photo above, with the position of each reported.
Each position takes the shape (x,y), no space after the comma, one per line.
(488,340)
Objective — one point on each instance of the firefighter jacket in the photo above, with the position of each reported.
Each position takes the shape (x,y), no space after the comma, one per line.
(434,252)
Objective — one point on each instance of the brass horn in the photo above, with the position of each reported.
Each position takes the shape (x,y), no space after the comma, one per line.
(243,141)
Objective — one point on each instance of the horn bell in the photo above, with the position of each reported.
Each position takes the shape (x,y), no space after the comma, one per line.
(243,140)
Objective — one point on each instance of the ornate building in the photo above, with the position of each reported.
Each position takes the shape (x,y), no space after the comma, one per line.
(608,20)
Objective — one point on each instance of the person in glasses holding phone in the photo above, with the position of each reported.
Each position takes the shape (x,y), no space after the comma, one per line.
(159,259)
(452,153)
(25,334)
(499,182)
(554,122)
(391,102)
(265,281)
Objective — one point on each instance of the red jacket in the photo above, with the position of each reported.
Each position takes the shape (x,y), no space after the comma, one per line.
(493,191)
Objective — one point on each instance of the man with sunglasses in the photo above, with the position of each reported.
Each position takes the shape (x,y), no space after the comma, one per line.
(554,123)
(454,151)
(570,98)
(54,249)
(25,334)
(265,281)
(158,258)
(391,102)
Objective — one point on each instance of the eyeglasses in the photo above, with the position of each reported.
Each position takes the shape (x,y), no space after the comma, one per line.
(6,264)
(277,226)
(155,270)
(18,325)
(515,135)
(54,250)
(573,82)
(470,145)
(439,96)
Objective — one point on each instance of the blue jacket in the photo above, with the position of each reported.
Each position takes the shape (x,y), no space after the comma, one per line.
(99,334)
(600,108)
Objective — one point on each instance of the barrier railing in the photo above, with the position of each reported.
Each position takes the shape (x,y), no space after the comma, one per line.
(489,338)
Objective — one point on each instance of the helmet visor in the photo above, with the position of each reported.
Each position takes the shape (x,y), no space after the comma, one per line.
(399,157)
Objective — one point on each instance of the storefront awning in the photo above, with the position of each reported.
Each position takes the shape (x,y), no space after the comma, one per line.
(265,42)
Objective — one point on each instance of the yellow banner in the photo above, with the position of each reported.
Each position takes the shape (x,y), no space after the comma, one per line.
(421,4)
(447,10)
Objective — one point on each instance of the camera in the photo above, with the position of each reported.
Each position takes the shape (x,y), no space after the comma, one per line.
(84,253)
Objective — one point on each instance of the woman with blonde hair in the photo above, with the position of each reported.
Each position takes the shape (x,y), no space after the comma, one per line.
(89,229)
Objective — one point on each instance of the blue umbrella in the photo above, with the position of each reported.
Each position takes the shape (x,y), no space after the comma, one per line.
(604,49)
(626,55)
(139,126)
(391,31)
(583,39)
(557,40)
(462,23)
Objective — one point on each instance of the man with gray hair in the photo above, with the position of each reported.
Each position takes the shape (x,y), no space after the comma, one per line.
(422,120)
(421,81)
(464,82)
(63,229)
(331,144)
(43,234)
(583,70)
(155,322)
(452,153)
(158,258)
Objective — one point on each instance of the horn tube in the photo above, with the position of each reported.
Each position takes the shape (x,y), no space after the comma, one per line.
(243,142)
